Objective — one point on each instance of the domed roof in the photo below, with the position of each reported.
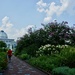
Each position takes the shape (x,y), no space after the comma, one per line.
(3,35)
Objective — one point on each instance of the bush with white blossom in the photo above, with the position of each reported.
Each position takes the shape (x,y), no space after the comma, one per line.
(50,49)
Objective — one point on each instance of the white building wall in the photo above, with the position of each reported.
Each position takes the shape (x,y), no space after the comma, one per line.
(10,42)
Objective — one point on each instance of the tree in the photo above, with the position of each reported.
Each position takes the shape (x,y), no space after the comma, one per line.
(59,33)
(2,44)
(53,33)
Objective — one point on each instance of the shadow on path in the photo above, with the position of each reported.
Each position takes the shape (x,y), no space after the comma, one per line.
(18,67)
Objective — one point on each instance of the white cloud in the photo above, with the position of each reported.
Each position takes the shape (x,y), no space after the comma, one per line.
(63,7)
(71,7)
(4,20)
(41,5)
(11,31)
(47,19)
(40,9)
(6,24)
(52,8)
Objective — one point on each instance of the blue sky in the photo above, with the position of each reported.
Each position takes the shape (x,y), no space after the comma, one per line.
(17,16)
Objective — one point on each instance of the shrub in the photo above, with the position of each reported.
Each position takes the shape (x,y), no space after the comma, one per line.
(24,56)
(30,50)
(69,56)
(46,63)
(3,61)
(63,71)
(65,58)
(60,71)
(72,71)
(3,49)
(50,49)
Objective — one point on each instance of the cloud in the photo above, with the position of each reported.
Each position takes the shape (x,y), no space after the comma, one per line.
(11,31)
(47,19)
(6,24)
(41,5)
(71,7)
(51,9)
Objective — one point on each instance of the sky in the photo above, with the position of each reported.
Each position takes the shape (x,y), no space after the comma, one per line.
(17,16)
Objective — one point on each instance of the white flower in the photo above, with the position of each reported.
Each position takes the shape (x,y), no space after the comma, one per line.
(66,45)
(57,46)
(53,48)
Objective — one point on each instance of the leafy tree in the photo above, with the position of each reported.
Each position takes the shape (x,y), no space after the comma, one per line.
(2,44)
(53,33)
(59,33)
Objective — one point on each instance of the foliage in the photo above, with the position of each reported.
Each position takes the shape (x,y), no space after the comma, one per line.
(69,56)
(2,44)
(59,33)
(46,63)
(65,58)
(72,71)
(63,71)
(3,49)
(31,50)
(53,33)
(3,56)
(24,56)
(50,49)
(49,40)
(3,61)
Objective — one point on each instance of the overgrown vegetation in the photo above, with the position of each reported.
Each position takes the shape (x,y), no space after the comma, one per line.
(49,47)
(65,58)
(3,56)
(3,61)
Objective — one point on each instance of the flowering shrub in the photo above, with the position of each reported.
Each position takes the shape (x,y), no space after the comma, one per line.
(65,58)
(53,33)
(50,49)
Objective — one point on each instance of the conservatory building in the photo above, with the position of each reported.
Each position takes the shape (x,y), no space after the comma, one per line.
(9,42)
